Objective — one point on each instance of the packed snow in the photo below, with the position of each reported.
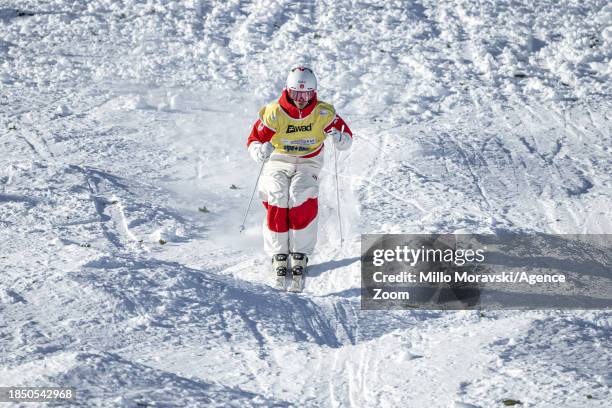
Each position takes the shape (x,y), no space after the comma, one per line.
(124,178)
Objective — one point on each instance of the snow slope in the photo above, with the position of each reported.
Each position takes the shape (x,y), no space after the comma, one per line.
(123,123)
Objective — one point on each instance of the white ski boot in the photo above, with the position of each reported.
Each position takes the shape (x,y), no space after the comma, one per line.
(298,270)
(279,266)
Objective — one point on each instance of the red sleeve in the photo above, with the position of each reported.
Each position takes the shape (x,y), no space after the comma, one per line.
(260,133)
(339,123)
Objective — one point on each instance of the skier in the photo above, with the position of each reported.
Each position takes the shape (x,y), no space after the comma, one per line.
(288,137)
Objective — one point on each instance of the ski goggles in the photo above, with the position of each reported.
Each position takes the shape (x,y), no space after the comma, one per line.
(301,96)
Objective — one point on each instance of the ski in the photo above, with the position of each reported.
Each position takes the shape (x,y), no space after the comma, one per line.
(279,265)
(298,272)
(297,283)
(279,282)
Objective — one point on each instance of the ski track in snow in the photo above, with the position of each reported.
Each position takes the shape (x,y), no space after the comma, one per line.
(124,177)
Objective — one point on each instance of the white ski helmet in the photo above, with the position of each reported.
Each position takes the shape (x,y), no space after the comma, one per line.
(301,79)
(301,84)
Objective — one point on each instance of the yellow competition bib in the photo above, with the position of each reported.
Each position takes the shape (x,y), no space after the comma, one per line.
(297,137)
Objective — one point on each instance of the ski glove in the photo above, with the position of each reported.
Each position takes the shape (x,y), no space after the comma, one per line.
(342,140)
(260,152)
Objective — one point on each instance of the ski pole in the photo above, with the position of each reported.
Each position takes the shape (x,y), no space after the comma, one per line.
(242,228)
(338,192)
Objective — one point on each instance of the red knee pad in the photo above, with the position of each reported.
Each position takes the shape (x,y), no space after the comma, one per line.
(302,215)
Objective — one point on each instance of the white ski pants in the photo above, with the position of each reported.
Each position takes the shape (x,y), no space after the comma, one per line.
(289,192)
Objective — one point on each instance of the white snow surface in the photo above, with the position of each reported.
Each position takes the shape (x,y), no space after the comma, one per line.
(123,124)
